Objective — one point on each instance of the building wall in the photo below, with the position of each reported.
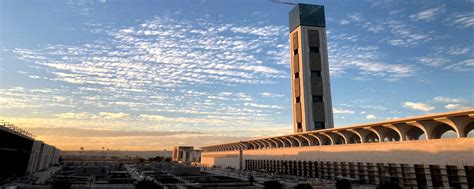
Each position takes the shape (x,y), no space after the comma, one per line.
(438,151)
(310,79)
(34,157)
(412,160)
(15,152)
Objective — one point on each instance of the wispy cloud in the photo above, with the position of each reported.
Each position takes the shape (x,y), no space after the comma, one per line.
(428,14)
(272,95)
(462,20)
(418,106)
(465,65)
(433,61)
(342,111)
(448,99)
(367,61)
(456,106)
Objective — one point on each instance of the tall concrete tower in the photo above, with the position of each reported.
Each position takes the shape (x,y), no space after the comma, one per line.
(312,107)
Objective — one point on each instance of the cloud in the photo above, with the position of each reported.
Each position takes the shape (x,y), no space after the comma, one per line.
(432,61)
(418,106)
(428,14)
(371,116)
(366,60)
(86,115)
(110,115)
(263,106)
(448,99)
(463,66)
(456,106)
(269,94)
(152,117)
(342,111)
(462,20)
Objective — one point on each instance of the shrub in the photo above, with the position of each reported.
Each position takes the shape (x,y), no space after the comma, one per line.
(272,184)
(304,186)
(147,184)
(343,184)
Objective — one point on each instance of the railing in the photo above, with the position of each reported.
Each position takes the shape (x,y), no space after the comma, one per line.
(17,130)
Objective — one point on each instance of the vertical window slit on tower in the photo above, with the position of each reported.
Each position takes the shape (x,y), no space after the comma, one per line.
(314,49)
(297,75)
(316,73)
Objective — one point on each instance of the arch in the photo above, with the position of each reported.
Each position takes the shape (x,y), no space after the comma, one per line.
(284,141)
(242,146)
(329,138)
(469,130)
(317,141)
(293,142)
(281,142)
(395,129)
(373,136)
(254,145)
(414,133)
(275,144)
(387,134)
(312,141)
(359,136)
(298,141)
(441,129)
(426,125)
(269,143)
(339,136)
(306,140)
(350,137)
(261,144)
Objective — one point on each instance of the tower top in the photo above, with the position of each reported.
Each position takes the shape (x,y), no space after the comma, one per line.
(307,15)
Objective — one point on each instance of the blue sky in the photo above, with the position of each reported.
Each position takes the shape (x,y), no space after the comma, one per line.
(146,75)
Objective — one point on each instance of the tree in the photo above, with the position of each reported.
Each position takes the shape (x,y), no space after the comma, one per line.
(147,184)
(304,186)
(343,184)
(272,184)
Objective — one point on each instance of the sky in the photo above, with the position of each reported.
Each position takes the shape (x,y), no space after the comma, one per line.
(149,75)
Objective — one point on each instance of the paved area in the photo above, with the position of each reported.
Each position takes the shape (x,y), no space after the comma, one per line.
(42,176)
(260,178)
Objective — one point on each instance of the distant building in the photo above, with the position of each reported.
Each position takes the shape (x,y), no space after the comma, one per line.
(186,154)
(21,154)
(312,106)
(429,151)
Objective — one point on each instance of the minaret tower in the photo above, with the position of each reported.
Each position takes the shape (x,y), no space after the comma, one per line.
(312,107)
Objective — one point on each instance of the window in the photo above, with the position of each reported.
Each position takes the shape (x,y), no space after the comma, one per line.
(313,49)
(316,73)
(297,99)
(318,125)
(317,98)
(295,52)
(299,125)
(297,75)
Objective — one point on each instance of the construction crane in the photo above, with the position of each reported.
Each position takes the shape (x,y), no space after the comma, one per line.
(282,2)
